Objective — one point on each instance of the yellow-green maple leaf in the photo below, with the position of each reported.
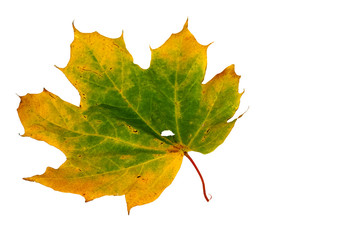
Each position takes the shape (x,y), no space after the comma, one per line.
(113,141)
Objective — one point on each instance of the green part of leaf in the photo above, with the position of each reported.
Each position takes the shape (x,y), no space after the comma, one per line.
(113,141)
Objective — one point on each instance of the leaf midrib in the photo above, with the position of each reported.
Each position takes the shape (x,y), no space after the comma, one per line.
(112,171)
(103,136)
(207,115)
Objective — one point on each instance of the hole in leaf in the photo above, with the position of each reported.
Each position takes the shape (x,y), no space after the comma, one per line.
(167,133)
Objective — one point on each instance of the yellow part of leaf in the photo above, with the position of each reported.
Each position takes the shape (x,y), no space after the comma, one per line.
(113,141)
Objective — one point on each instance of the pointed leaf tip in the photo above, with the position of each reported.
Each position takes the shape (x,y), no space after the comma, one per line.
(208,45)
(61,69)
(243,112)
(28,179)
(73,26)
(186,24)
(76,32)
(231,69)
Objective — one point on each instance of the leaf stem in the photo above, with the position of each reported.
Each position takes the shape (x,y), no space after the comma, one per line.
(202,180)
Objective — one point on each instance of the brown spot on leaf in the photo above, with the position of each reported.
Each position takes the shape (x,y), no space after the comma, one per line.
(132,129)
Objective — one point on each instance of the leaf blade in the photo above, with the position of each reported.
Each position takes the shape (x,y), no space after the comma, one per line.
(113,141)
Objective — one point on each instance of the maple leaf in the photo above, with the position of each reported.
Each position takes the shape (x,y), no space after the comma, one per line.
(113,142)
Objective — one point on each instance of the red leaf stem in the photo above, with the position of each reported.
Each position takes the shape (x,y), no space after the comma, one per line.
(202,180)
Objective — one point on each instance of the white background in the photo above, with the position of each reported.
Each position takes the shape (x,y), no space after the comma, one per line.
(290,167)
